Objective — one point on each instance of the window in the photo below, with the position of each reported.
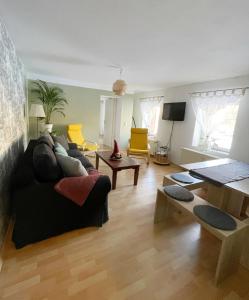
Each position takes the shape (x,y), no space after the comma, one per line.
(150,111)
(216,114)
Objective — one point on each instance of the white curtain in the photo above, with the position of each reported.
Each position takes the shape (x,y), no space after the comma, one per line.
(150,111)
(214,111)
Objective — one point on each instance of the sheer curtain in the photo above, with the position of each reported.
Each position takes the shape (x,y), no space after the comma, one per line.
(216,114)
(150,111)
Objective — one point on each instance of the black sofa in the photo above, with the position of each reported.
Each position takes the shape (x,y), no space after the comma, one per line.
(39,211)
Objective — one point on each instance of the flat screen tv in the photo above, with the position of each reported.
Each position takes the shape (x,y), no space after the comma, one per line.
(174,111)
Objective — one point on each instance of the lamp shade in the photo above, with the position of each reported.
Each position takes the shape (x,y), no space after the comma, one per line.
(36,110)
(119,87)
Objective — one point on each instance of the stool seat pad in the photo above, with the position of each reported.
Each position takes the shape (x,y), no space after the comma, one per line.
(215,217)
(178,193)
(182,178)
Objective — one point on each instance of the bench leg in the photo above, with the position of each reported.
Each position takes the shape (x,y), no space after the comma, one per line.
(161,208)
(229,257)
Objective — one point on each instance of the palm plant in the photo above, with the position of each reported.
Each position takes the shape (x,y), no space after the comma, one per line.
(52,98)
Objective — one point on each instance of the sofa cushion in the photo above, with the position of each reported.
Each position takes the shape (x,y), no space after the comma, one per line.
(77,154)
(59,149)
(62,140)
(45,163)
(71,166)
(44,139)
(47,135)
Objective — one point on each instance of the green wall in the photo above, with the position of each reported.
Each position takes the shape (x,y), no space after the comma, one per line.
(84,107)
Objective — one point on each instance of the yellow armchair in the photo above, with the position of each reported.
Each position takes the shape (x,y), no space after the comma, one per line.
(138,144)
(75,136)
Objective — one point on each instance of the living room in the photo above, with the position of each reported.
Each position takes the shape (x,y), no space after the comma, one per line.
(140,189)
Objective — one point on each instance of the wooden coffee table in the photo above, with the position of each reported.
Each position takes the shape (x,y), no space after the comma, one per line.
(118,165)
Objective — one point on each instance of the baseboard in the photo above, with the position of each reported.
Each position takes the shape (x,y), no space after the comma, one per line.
(3,248)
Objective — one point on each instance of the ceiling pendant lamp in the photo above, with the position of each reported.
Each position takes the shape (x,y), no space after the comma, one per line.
(119,86)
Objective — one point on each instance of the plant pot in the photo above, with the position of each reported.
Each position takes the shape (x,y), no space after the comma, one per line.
(47,127)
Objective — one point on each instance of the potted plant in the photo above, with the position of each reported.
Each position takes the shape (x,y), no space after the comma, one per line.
(52,98)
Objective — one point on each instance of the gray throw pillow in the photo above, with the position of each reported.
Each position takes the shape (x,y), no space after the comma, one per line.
(59,149)
(62,140)
(71,166)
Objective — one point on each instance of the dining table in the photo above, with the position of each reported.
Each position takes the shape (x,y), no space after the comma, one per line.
(227,184)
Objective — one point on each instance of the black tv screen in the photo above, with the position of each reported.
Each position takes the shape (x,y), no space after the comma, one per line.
(174,111)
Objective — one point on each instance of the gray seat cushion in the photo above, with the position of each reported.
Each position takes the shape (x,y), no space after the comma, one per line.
(179,193)
(215,217)
(182,178)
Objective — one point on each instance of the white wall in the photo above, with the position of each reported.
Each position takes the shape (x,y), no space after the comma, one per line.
(183,131)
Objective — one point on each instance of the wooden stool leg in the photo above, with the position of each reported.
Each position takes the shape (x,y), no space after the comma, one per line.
(229,257)
(161,208)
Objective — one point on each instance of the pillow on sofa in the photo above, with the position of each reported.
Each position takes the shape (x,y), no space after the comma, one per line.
(62,140)
(45,163)
(44,139)
(79,155)
(47,135)
(59,149)
(71,166)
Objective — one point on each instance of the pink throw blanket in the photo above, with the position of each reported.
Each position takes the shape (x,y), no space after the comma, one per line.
(76,189)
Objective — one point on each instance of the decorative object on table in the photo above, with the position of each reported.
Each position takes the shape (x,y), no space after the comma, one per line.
(74,132)
(116,155)
(138,143)
(161,156)
(119,86)
(52,98)
(37,111)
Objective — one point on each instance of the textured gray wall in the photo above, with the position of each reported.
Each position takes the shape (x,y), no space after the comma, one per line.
(13,129)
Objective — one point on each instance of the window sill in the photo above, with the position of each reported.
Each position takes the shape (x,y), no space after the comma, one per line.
(214,153)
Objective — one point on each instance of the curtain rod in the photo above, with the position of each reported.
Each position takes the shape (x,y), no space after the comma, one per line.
(151,97)
(223,91)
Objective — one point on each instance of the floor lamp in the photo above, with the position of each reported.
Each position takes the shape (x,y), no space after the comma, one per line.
(37,111)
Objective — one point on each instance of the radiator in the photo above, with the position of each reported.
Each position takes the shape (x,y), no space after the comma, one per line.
(189,155)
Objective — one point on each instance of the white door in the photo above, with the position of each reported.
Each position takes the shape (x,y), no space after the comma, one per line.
(110,121)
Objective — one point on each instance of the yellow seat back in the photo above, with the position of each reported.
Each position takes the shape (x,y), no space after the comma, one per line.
(139,138)
(75,134)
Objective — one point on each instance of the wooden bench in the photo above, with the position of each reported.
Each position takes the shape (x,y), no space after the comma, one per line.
(197,183)
(232,241)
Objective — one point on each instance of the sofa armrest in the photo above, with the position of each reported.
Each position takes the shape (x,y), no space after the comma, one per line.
(72,146)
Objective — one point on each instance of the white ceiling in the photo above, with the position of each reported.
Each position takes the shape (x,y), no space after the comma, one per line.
(159,43)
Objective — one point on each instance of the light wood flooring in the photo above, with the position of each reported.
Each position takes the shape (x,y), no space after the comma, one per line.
(128,258)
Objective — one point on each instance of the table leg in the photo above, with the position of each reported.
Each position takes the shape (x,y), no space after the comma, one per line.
(136,173)
(114,179)
(97,161)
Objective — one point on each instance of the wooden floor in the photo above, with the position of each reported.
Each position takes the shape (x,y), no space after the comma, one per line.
(129,258)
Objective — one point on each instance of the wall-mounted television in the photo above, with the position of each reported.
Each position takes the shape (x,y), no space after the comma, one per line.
(174,111)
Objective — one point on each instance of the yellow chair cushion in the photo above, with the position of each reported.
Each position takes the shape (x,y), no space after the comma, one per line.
(75,134)
(138,151)
(90,147)
(139,138)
